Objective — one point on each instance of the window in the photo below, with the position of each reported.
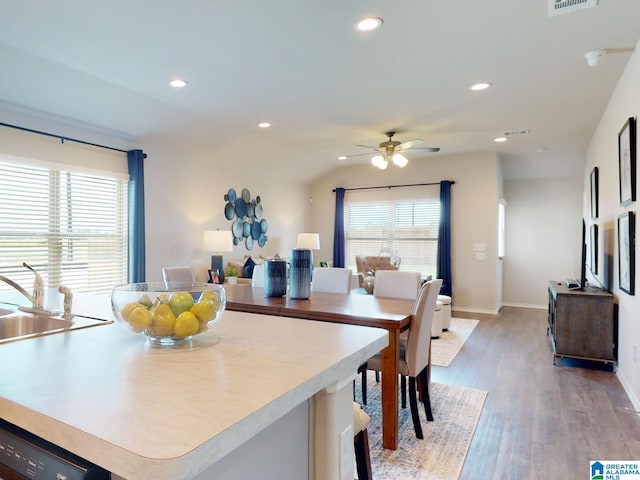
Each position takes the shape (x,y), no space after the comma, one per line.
(406,225)
(68,225)
(501,227)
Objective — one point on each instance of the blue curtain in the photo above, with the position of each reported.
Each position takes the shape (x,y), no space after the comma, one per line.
(444,239)
(338,230)
(137,253)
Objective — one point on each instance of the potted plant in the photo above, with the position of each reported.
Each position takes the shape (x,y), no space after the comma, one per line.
(231,274)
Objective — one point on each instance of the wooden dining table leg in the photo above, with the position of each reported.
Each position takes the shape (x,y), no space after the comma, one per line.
(389,369)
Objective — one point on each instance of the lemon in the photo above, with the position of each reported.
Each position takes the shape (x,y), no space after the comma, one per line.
(162,321)
(205,310)
(128,308)
(186,324)
(139,318)
(213,296)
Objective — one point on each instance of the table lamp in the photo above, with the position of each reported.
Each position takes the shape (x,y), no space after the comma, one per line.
(217,241)
(310,241)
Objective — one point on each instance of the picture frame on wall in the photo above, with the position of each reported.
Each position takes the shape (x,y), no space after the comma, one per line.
(593,249)
(627,162)
(594,192)
(626,252)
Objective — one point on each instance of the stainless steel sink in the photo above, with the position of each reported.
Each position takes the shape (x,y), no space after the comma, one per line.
(20,326)
(4,311)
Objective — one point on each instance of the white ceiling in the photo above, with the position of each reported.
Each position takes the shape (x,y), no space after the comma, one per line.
(325,87)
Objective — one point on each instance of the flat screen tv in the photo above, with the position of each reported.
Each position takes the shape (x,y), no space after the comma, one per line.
(580,283)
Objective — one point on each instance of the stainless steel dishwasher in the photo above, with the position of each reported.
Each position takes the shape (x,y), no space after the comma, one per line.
(26,456)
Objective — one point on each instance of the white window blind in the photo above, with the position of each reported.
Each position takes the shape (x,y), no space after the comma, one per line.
(69,226)
(406,225)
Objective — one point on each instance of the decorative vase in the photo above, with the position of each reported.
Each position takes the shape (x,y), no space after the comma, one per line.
(368,283)
(275,281)
(300,273)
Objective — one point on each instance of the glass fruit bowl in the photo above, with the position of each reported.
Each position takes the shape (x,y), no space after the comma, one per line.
(168,313)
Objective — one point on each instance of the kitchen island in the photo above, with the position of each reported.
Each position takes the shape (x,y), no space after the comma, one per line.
(254,397)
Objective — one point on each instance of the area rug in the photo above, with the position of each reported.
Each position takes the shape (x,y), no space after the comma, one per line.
(445,348)
(442,452)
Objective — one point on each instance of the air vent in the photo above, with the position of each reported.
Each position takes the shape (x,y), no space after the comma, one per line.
(513,133)
(558,7)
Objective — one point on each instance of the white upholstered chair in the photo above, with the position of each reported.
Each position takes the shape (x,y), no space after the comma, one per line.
(414,353)
(361,442)
(331,280)
(446,311)
(177,274)
(396,284)
(257,279)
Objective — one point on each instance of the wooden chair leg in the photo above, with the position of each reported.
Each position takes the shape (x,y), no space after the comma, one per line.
(363,383)
(426,399)
(403,390)
(363,460)
(413,403)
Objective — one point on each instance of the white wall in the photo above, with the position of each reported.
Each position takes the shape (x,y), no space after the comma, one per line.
(543,237)
(603,153)
(184,195)
(474,215)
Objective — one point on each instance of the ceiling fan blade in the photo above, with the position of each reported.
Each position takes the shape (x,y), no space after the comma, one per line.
(359,154)
(425,149)
(368,146)
(409,144)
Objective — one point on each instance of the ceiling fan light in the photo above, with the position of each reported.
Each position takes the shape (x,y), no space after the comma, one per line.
(400,160)
(379,162)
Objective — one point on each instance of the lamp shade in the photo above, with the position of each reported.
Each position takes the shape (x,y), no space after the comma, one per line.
(217,241)
(308,240)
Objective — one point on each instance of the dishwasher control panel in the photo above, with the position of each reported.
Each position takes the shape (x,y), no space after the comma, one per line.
(35,458)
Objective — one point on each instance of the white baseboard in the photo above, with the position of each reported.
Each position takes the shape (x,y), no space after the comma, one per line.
(473,310)
(526,305)
(629,391)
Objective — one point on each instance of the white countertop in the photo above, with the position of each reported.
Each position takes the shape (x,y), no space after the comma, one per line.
(145,412)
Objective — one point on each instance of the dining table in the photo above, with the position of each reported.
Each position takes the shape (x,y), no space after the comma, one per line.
(354,308)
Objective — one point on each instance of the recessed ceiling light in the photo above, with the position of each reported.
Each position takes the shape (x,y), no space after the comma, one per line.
(500,139)
(480,86)
(342,157)
(178,83)
(369,23)
(264,124)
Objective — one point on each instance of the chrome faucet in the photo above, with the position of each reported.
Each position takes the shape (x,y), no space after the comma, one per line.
(37,299)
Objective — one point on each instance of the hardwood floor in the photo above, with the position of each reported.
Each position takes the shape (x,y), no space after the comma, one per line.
(539,420)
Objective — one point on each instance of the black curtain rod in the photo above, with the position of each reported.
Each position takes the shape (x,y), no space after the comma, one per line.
(394,186)
(63,138)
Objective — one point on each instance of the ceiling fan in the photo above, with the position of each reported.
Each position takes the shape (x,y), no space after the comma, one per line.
(392,150)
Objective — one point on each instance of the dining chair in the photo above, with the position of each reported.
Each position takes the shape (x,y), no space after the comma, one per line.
(414,354)
(257,278)
(331,280)
(391,284)
(396,284)
(361,442)
(177,274)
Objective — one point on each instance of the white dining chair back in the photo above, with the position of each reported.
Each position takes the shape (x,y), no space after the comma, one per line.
(257,279)
(396,284)
(177,274)
(331,280)
(419,338)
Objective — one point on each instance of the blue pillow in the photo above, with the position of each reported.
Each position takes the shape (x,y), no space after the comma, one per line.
(247,269)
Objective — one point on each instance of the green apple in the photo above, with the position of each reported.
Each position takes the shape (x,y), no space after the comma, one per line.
(180,302)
